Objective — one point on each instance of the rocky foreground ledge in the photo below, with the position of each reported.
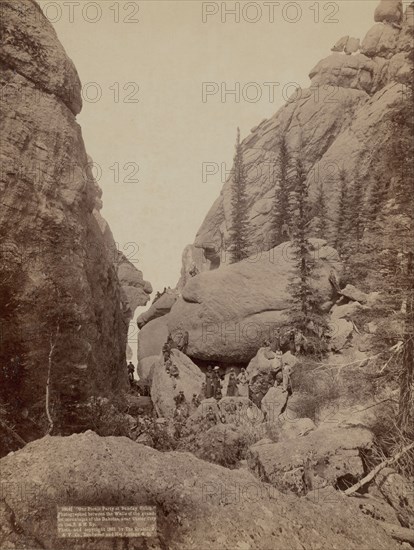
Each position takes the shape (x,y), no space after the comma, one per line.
(199,505)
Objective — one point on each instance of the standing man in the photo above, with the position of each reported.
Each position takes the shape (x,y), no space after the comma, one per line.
(287,378)
(292,345)
(232,384)
(243,388)
(216,382)
(209,383)
(131,369)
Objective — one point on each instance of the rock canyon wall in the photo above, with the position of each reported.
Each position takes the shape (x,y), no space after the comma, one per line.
(67,294)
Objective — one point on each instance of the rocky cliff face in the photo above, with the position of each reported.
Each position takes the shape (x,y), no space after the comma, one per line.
(72,294)
(336,120)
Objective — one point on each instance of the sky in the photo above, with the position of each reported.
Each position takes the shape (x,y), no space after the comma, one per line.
(157,78)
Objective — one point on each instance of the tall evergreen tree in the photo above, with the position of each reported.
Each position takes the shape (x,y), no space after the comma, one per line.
(377,194)
(320,212)
(281,219)
(305,313)
(384,261)
(342,226)
(239,247)
(400,158)
(358,202)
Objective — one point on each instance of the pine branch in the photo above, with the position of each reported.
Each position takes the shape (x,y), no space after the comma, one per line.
(377,469)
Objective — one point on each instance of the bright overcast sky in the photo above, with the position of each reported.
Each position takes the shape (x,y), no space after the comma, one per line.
(160,53)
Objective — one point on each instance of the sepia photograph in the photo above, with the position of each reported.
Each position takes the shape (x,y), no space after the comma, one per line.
(206,275)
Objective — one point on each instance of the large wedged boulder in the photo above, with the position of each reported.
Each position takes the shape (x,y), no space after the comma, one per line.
(231,311)
(324,456)
(198,505)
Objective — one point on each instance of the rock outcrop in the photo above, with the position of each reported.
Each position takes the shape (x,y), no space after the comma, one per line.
(134,290)
(153,332)
(165,387)
(151,338)
(324,456)
(338,117)
(73,297)
(398,492)
(158,308)
(198,504)
(390,11)
(231,311)
(193,257)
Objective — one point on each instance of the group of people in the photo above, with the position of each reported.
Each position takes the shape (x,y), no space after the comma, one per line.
(237,386)
(282,368)
(171,344)
(293,339)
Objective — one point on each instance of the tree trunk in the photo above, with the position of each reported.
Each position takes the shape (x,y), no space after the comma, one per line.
(407,374)
(49,372)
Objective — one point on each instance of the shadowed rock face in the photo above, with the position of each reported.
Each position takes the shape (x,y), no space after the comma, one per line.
(69,287)
(338,117)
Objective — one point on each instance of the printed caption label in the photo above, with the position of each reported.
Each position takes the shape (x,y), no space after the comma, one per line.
(106,521)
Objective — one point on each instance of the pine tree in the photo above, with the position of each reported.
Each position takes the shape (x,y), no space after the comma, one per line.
(281,221)
(320,212)
(377,195)
(342,226)
(358,202)
(400,157)
(385,257)
(355,247)
(238,245)
(305,312)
